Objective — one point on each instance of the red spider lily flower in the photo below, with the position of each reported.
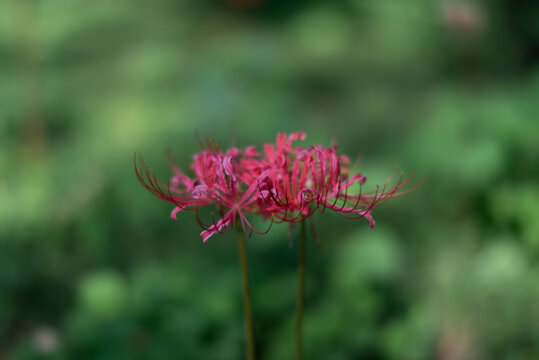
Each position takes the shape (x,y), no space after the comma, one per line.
(285,184)
(300,181)
(218,179)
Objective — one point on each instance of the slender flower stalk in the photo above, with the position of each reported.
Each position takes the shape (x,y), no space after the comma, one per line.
(301,293)
(283,183)
(247,305)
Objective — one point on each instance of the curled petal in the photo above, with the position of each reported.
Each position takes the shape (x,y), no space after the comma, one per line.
(229,169)
(369,217)
(250,151)
(199,191)
(352,213)
(360,178)
(233,152)
(176,210)
(297,135)
(282,144)
(269,151)
(217,227)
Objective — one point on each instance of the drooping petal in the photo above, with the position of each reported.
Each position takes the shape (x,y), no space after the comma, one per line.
(176,210)
(352,213)
(222,223)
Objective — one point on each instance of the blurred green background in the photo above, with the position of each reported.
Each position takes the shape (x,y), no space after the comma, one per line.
(91,265)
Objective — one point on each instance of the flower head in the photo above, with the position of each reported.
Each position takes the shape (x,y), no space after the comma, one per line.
(218,179)
(284,184)
(317,178)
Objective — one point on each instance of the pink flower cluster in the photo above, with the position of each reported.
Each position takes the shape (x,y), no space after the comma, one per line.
(283,184)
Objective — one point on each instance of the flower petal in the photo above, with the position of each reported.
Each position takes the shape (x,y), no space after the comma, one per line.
(217,227)
(176,210)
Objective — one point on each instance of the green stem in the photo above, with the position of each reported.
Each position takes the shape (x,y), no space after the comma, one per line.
(247,307)
(301,293)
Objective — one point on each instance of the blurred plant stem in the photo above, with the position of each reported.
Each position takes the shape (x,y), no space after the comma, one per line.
(301,292)
(247,306)
(31,86)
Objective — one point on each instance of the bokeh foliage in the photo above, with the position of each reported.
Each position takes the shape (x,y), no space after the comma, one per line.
(92,267)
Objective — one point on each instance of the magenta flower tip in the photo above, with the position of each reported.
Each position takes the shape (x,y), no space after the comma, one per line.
(176,210)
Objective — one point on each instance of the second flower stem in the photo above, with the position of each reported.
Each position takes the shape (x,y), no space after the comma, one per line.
(301,292)
(247,306)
